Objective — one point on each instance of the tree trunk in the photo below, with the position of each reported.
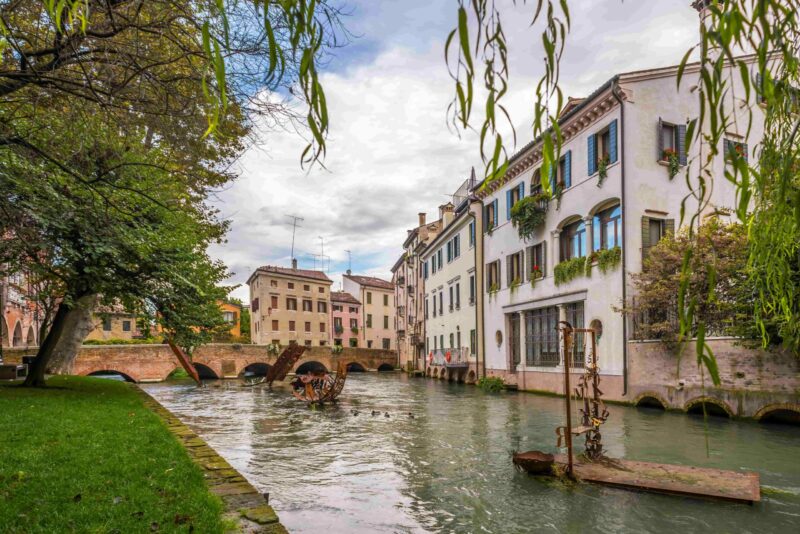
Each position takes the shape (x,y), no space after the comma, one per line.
(65,322)
(35,378)
(78,325)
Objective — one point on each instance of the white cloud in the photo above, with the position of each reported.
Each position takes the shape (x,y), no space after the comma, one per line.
(390,153)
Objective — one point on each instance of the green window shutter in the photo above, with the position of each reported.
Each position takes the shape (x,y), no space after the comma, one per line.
(612,143)
(508,269)
(591,155)
(529,260)
(508,205)
(645,237)
(495,214)
(681,133)
(568,169)
(660,140)
(543,266)
(669,227)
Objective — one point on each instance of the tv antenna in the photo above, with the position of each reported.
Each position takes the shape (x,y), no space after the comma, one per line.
(349,261)
(295,226)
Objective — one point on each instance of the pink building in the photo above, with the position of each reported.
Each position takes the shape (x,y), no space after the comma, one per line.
(345,316)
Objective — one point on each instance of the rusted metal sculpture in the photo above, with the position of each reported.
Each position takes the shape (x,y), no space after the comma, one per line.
(321,389)
(284,363)
(186,363)
(594,410)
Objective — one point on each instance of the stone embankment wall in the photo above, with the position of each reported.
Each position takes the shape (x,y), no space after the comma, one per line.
(754,382)
(152,363)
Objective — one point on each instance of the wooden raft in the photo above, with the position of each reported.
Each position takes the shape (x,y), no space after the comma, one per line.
(691,481)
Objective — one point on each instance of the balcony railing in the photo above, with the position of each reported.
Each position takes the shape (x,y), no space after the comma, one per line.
(458,357)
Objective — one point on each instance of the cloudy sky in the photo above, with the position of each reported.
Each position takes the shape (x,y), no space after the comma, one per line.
(390,152)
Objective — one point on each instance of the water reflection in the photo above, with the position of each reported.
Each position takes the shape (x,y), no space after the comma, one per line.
(448,468)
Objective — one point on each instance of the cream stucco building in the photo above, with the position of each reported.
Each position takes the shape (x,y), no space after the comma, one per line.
(289,305)
(617,197)
(377,310)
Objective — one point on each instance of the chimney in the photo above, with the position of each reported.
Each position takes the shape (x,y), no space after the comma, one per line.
(294,263)
(422,219)
(446,214)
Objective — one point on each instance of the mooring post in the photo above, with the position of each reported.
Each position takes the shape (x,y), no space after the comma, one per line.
(567,329)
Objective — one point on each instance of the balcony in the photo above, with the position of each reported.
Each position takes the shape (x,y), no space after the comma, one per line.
(410,288)
(458,357)
(401,280)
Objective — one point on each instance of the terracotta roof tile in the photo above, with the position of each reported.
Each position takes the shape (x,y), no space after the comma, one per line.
(370,281)
(302,273)
(344,296)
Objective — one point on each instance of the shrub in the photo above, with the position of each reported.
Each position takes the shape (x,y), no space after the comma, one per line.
(138,341)
(529,214)
(491,384)
(569,269)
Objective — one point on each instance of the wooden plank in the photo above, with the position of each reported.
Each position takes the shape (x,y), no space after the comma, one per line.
(665,478)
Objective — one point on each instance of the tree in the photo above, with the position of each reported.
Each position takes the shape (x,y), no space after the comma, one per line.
(244,325)
(769,199)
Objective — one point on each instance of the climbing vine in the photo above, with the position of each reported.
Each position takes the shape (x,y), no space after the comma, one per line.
(528,215)
(568,270)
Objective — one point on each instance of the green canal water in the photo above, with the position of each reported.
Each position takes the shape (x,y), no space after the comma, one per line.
(448,468)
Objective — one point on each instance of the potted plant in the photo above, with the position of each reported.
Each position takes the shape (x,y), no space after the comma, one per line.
(337,349)
(515,283)
(494,288)
(671,157)
(338,328)
(274,349)
(490,227)
(602,170)
(529,214)
(354,329)
(536,273)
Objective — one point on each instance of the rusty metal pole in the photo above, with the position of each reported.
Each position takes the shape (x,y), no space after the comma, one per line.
(567,329)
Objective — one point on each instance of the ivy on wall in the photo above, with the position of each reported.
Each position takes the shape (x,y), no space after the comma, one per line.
(607,260)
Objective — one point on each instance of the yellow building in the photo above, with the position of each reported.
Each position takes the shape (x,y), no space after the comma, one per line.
(232,313)
(113,322)
(289,305)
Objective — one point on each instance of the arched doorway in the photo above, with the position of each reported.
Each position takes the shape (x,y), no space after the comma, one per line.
(355,367)
(31,339)
(205,372)
(255,369)
(311,367)
(17,341)
(112,375)
(385,367)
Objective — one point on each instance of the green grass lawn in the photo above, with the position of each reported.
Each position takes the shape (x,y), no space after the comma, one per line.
(85,455)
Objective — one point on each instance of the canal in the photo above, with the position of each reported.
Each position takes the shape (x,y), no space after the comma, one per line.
(436,457)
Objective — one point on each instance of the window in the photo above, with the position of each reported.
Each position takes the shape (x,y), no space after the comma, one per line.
(291,326)
(273,283)
(602,147)
(456,246)
(126,326)
(607,228)
(536,261)
(369,297)
(434,305)
(337,322)
(353,342)
(291,285)
(671,140)
(353,323)
(541,337)
(337,341)
(425,270)
(514,195)
(353,309)
(254,305)
(472,341)
(322,306)
(369,320)
(575,318)
(450,291)
(513,339)
(322,342)
(426,308)
(337,308)
(322,327)
(441,303)
(449,251)
(653,230)
(321,290)
(458,296)
(573,241)
(308,305)
(228,316)
(387,343)
(307,342)
(735,148)
(435,343)
(514,265)
(451,340)
(386,300)
(471,289)
(107,324)
(306,287)
(490,216)
(563,173)
(308,326)
(275,327)
(441,341)
(291,304)
(386,321)
(439,258)
(493,276)
(433,264)
(276,341)
(472,234)
(274,302)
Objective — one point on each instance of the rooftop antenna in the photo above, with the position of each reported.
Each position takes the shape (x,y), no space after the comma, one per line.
(294,218)
(349,261)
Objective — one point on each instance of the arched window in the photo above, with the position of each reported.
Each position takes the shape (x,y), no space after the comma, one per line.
(607,228)
(573,241)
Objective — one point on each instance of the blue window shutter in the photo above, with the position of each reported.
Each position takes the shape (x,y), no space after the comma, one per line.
(568,169)
(612,135)
(508,205)
(682,144)
(553,179)
(494,215)
(590,151)
(521,190)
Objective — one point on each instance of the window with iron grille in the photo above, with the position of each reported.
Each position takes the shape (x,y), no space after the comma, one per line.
(541,337)
(513,339)
(575,318)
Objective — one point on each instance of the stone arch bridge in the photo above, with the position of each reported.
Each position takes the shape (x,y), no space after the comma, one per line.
(154,363)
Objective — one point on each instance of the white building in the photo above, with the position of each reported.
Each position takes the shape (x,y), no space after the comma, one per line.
(451,293)
(631,120)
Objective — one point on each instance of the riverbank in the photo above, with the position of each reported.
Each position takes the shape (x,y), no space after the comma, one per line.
(90,455)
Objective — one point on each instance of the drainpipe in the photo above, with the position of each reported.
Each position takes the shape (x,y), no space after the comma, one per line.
(615,90)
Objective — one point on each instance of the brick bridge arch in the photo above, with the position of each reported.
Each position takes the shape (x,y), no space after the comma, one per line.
(153,363)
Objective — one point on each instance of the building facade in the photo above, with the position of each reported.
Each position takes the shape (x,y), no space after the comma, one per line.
(232,314)
(20,317)
(410,293)
(451,293)
(345,319)
(289,305)
(614,200)
(113,322)
(377,310)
